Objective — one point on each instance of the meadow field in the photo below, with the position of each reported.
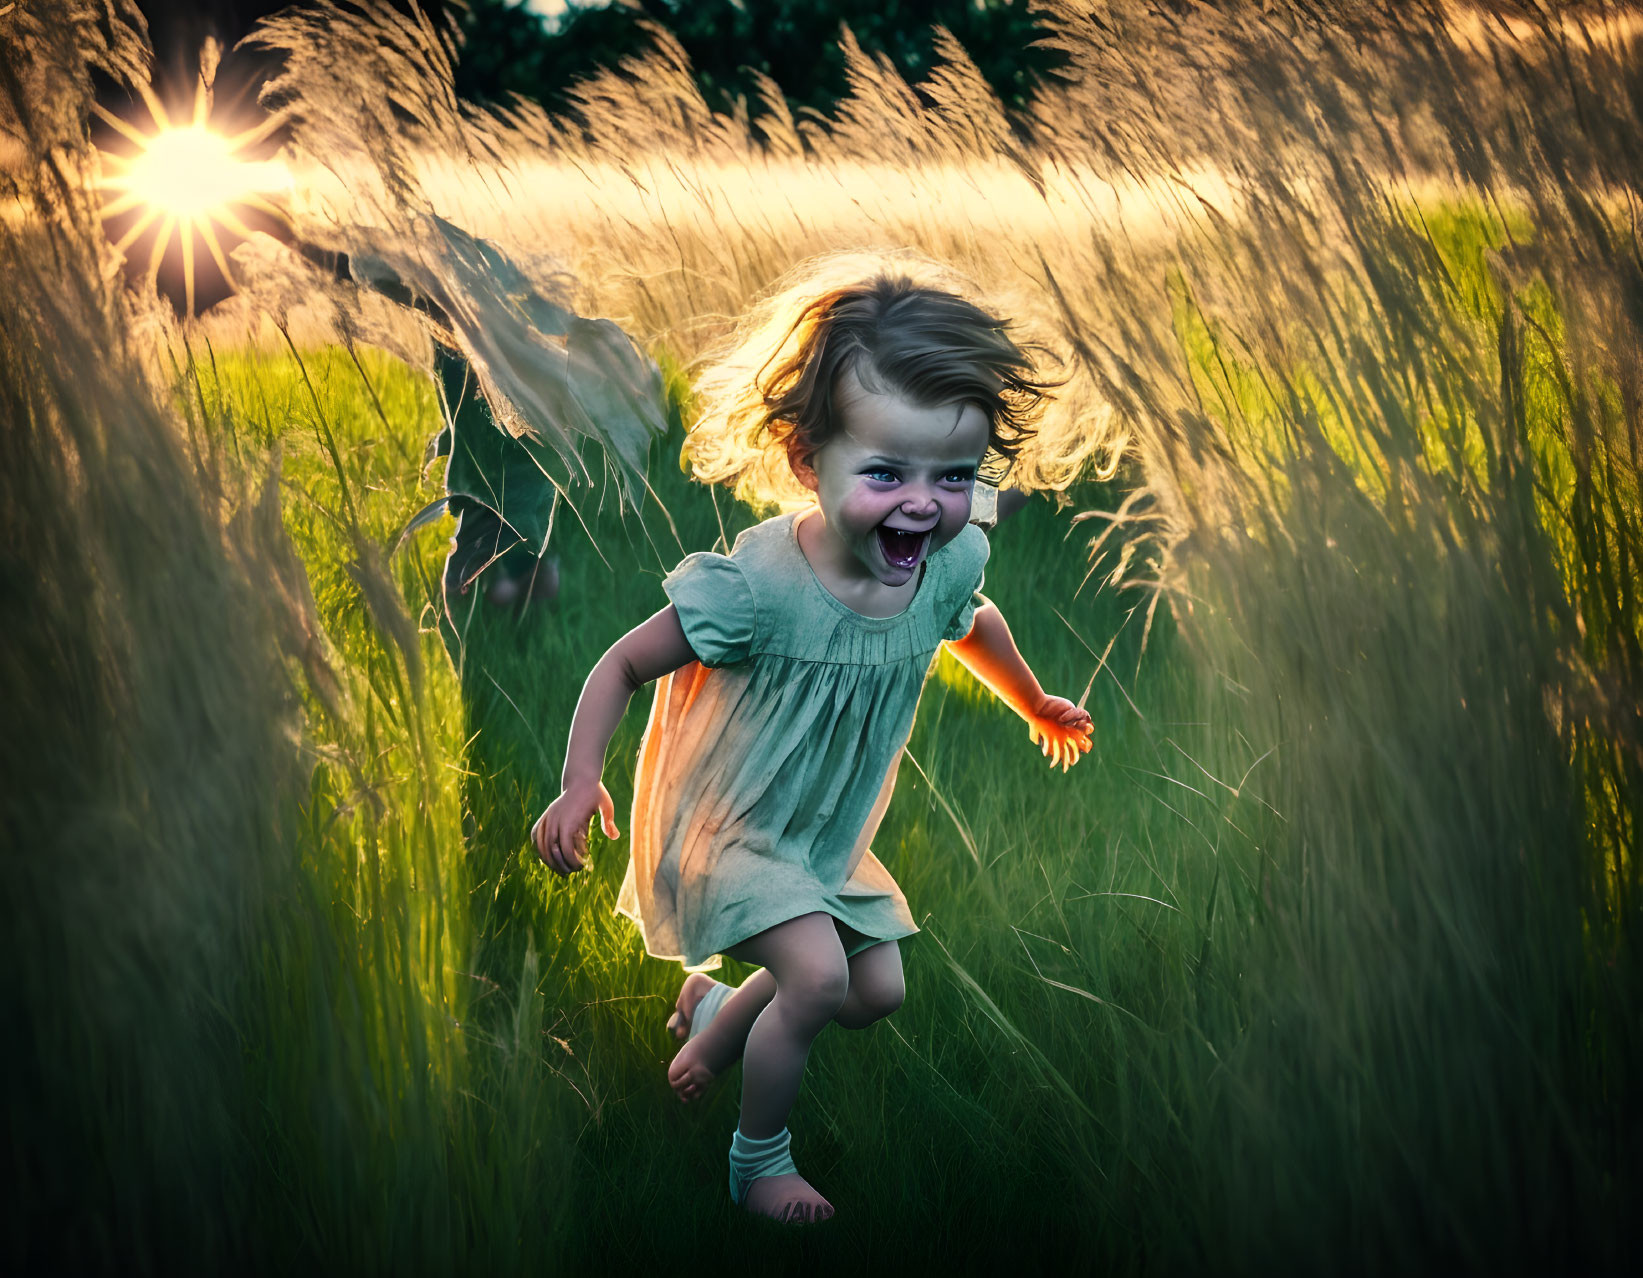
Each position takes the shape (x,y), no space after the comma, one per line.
(1323,959)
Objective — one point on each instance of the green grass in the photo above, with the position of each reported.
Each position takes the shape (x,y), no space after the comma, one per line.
(1252,976)
(996,852)
(1293,957)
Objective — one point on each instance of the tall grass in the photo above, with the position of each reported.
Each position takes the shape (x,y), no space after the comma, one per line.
(1324,958)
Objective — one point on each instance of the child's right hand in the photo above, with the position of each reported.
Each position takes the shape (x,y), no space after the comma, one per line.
(561,833)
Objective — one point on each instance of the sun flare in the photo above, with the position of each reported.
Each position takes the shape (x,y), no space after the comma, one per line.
(189,180)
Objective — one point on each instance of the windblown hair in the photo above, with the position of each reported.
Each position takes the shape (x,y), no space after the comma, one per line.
(902,326)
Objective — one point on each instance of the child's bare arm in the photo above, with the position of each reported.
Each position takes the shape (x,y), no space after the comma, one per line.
(648,651)
(989,653)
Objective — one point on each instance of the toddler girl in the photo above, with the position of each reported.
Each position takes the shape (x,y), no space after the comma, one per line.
(788,673)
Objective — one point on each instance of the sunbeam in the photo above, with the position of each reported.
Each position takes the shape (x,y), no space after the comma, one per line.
(191,178)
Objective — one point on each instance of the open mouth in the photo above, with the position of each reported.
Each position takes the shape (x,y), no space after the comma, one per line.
(901,546)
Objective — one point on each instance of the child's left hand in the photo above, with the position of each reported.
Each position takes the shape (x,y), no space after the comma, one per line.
(1062,730)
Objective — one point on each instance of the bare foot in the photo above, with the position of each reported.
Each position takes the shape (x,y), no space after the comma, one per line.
(790,1199)
(689,1072)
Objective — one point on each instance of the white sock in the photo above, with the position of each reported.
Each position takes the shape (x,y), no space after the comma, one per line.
(751,1160)
(709,1007)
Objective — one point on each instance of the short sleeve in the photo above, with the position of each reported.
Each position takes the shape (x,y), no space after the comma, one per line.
(963,577)
(715,607)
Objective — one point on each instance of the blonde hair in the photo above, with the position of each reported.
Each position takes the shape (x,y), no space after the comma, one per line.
(902,324)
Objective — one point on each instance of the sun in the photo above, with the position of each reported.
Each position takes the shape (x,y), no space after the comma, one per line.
(189,180)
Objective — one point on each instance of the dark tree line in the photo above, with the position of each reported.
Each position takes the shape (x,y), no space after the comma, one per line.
(508,49)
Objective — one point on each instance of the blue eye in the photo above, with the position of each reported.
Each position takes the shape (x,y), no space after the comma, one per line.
(959,477)
(880,474)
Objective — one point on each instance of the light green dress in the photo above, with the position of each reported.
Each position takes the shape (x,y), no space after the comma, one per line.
(767,764)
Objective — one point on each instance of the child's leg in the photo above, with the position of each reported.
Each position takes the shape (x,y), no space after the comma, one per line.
(812,978)
(759,988)
(876,986)
(876,990)
(717,1047)
(807,963)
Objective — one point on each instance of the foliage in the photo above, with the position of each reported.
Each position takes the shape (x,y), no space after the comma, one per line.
(507,49)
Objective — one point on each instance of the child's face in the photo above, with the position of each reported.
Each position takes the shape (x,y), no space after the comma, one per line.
(894,482)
